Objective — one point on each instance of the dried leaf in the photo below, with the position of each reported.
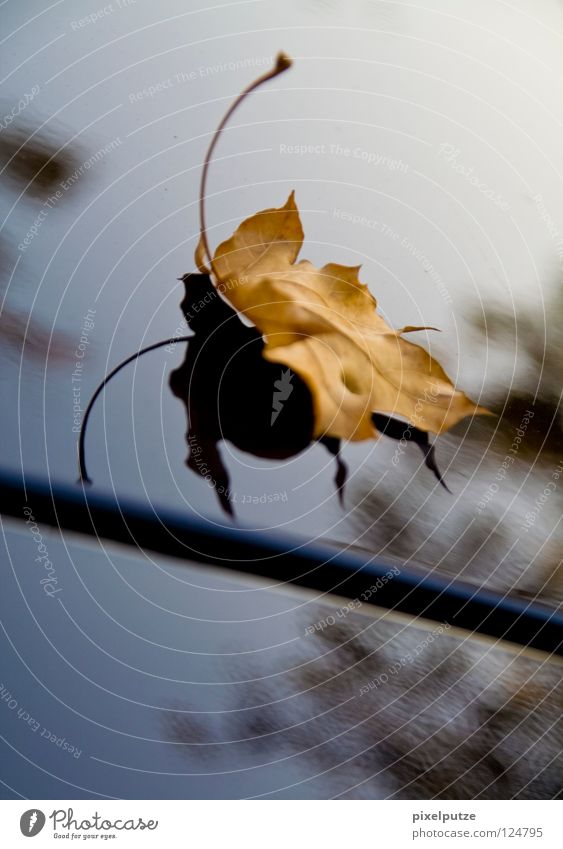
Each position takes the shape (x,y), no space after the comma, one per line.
(323,324)
(213,383)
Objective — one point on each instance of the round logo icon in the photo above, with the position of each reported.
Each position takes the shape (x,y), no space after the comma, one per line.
(32,822)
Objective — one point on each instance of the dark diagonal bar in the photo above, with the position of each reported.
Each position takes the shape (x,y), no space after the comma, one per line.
(284,560)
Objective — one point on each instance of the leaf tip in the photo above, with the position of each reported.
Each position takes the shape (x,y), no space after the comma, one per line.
(290,202)
(414,328)
(483,411)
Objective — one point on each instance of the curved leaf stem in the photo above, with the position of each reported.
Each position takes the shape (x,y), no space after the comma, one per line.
(283,62)
(82,473)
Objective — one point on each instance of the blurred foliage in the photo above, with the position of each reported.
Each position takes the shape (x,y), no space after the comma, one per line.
(479,534)
(448,717)
(32,164)
(537,338)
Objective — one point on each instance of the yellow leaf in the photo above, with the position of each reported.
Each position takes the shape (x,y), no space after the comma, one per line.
(267,242)
(323,324)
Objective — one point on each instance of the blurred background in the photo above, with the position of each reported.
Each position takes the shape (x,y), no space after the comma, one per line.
(424,144)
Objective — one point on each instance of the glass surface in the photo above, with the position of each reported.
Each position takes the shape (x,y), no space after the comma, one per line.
(146,678)
(425,144)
